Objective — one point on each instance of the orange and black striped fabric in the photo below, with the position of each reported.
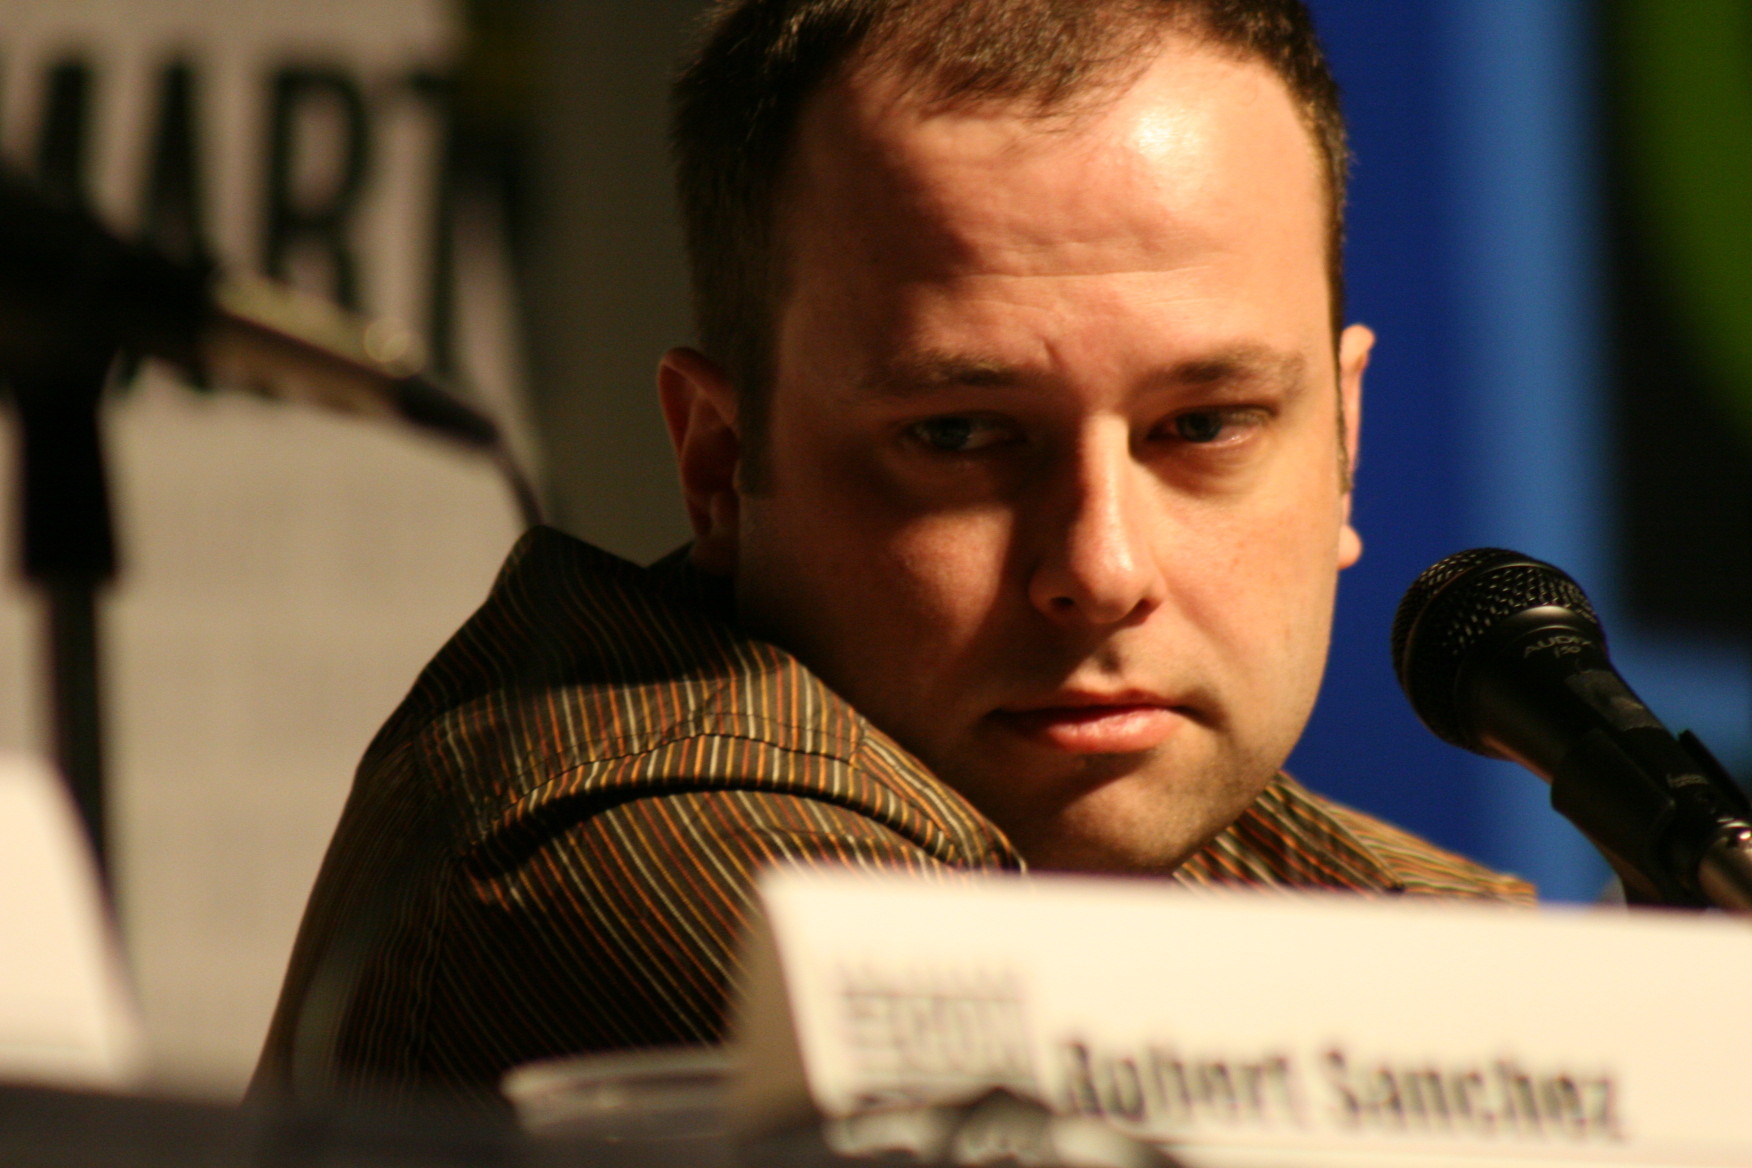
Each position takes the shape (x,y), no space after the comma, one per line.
(551,846)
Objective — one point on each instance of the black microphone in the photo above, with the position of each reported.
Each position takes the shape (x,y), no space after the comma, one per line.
(67,284)
(1503,655)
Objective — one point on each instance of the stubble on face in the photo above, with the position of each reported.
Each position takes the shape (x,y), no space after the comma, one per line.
(983,523)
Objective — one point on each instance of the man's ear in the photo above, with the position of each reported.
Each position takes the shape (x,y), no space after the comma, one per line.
(1354,346)
(699,404)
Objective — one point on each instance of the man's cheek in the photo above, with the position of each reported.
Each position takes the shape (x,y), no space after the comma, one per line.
(1269,591)
(953,569)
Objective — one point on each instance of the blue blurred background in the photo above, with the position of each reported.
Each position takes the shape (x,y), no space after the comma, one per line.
(1548,377)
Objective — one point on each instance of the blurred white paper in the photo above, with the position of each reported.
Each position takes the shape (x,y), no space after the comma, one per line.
(67,1016)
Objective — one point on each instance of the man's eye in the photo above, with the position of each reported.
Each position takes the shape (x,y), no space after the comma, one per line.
(958,434)
(1205,427)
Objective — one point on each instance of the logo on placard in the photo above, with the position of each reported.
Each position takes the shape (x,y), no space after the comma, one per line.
(933,1034)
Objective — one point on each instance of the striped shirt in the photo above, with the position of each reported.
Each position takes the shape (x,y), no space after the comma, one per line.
(551,845)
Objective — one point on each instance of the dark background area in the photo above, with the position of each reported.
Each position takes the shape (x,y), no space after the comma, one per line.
(1682,406)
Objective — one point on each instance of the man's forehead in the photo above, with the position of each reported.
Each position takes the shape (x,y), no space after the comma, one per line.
(1157,97)
(1174,136)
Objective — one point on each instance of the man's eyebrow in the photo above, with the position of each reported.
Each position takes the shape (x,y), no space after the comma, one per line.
(912,374)
(1244,364)
(916,374)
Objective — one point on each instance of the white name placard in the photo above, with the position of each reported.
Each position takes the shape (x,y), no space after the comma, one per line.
(1245,1028)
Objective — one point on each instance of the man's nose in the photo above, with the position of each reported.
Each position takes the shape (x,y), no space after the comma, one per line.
(1096,556)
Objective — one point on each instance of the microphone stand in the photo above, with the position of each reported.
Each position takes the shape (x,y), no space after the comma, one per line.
(72,296)
(67,551)
(1724,871)
(1672,823)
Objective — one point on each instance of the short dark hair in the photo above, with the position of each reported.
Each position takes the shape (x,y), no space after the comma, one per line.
(737,98)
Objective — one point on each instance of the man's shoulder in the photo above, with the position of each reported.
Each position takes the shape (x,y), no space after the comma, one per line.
(586,679)
(618,658)
(1292,837)
(562,612)
(553,843)
(1419,867)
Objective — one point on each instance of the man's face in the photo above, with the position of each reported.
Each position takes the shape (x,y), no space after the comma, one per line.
(1055,492)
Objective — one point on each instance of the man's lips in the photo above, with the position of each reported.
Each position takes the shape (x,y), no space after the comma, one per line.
(1094,724)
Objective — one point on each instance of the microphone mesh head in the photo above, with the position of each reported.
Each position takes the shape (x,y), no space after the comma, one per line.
(1451,607)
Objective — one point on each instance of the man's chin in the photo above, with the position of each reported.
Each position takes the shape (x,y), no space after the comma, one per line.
(1137,849)
(1126,827)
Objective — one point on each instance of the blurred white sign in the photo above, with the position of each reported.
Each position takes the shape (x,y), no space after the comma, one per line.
(1258,1028)
(66,1012)
(285,573)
